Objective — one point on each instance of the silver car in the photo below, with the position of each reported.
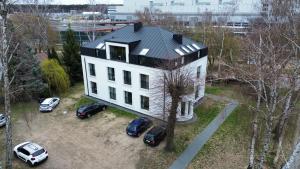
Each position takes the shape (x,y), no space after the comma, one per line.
(2,120)
(49,104)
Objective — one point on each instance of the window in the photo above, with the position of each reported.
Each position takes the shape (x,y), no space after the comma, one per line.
(111,73)
(198,71)
(92,69)
(128,97)
(197,91)
(145,102)
(117,53)
(112,93)
(94,87)
(182,108)
(144,81)
(127,77)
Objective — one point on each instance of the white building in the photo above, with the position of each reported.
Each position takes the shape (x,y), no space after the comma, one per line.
(235,11)
(124,69)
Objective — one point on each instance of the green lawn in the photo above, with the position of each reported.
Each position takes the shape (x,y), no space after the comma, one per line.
(228,148)
(184,135)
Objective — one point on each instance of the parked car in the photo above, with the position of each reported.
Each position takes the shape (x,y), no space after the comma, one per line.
(31,153)
(138,126)
(2,120)
(154,136)
(49,104)
(41,99)
(89,110)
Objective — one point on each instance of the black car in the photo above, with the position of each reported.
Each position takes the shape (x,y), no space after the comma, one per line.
(89,110)
(138,126)
(154,136)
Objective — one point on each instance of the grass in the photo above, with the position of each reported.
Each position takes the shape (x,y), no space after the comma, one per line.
(213,90)
(206,112)
(121,113)
(18,110)
(229,142)
(82,101)
(184,135)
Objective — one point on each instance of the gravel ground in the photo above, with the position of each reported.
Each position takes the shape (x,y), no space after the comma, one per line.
(99,142)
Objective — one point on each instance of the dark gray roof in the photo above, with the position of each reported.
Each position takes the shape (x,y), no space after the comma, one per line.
(159,41)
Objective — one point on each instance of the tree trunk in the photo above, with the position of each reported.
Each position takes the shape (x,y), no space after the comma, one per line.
(269,124)
(267,138)
(8,131)
(255,120)
(171,124)
(221,53)
(281,126)
(297,131)
(4,59)
(254,132)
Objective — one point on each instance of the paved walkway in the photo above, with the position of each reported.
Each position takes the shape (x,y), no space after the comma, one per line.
(191,151)
(294,160)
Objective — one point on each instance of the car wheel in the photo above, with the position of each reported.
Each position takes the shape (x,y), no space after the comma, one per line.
(88,115)
(29,163)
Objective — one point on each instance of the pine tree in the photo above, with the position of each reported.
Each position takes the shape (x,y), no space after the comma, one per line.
(54,55)
(49,53)
(71,57)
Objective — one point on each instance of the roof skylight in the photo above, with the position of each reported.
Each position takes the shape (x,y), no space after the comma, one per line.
(196,46)
(185,49)
(144,52)
(189,46)
(100,45)
(179,52)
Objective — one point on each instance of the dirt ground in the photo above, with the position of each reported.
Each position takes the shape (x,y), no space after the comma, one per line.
(99,142)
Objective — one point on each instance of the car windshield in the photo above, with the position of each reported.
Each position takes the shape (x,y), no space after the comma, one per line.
(44,105)
(149,137)
(39,152)
(2,117)
(132,128)
(81,109)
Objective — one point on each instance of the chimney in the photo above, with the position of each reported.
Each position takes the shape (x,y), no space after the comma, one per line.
(137,26)
(177,38)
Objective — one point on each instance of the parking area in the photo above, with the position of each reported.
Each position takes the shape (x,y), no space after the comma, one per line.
(72,143)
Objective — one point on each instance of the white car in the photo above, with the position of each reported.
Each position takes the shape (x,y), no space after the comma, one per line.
(2,120)
(31,153)
(49,104)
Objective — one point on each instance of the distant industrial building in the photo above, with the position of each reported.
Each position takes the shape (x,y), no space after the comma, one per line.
(233,12)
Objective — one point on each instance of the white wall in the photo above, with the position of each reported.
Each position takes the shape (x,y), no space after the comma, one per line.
(155,101)
(190,6)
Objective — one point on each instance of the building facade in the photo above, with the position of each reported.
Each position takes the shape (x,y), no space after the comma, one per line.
(124,68)
(191,11)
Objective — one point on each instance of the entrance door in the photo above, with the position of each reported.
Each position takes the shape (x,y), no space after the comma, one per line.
(182,108)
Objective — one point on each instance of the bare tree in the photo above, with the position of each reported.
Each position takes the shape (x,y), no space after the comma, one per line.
(175,82)
(145,16)
(270,59)
(4,60)
(9,48)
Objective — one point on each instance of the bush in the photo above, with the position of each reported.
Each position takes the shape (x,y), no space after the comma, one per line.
(55,76)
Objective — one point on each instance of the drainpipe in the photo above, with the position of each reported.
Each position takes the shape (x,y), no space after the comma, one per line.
(164,102)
